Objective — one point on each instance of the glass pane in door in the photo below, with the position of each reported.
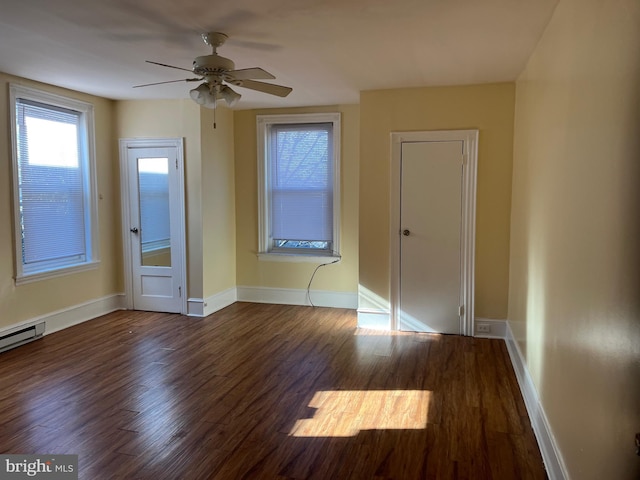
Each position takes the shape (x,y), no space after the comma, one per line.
(155,232)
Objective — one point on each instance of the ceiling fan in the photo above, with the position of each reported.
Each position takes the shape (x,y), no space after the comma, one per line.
(215,72)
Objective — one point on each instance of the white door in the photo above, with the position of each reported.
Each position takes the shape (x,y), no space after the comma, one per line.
(155,227)
(430,240)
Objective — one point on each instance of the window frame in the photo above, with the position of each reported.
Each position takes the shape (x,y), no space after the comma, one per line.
(89,184)
(264,123)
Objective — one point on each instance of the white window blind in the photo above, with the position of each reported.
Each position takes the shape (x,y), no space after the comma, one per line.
(52,195)
(302,182)
(298,186)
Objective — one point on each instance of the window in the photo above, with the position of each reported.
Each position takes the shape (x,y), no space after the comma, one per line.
(54,194)
(299,189)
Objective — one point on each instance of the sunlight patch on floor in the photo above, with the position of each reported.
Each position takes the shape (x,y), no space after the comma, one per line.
(344,413)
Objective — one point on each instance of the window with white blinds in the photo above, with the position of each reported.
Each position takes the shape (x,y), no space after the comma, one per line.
(299,165)
(54,211)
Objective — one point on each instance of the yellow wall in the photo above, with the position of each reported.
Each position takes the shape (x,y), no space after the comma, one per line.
(218,201)
(25,302)
(165,119)
(574,301)
(209,183)
(488,108)
(342,277)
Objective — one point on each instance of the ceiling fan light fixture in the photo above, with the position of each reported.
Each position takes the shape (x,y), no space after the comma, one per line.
(202,94)
(229,95)
(214,71)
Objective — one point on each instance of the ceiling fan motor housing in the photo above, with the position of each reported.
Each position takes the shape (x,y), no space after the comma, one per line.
(211,64)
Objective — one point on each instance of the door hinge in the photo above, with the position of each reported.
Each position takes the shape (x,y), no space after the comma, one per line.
(461,310)
(176,164)
(180,292)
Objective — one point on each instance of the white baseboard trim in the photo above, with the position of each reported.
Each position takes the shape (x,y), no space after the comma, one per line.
(291,296)
(198,307)
(374,319)
(220,300)
(374,311)
(83,312)
(556,469)
(70,316)
(498,328)
(195,307)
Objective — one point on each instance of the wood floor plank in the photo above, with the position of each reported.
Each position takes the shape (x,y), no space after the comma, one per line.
(266,392)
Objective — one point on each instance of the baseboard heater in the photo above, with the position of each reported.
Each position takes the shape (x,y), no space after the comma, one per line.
(20,335)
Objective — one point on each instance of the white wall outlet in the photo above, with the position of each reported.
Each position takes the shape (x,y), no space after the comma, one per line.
(483,328)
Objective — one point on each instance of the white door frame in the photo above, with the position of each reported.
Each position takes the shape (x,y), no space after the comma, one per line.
(469,139)
(125,145)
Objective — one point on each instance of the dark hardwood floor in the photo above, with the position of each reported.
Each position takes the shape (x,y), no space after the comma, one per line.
(266,392)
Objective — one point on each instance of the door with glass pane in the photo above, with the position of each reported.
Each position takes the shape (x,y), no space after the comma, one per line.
(155,228)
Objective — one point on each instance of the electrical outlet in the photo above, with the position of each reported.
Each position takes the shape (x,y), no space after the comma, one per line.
(483,328)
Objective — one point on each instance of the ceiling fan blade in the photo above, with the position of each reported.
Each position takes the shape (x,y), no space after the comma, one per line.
(169,81)
(169,66)
(255,73)
(269,88)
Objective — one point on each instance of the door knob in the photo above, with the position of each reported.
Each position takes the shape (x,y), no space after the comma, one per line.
(406,232)
(134,230)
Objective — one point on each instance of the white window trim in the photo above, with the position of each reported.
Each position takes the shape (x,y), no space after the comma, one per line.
(91,221)
(263,123)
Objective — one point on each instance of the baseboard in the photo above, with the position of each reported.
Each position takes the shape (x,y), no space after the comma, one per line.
(497,328)
(374,319)
(220,300)
(198,307)
(556,469)
(290,296)
(195,307)
(68,317)
(374,311)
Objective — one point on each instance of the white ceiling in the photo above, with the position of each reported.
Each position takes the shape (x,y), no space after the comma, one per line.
(327,50)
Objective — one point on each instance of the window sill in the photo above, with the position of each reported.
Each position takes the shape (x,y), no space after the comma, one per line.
(58,272)
(297,258)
